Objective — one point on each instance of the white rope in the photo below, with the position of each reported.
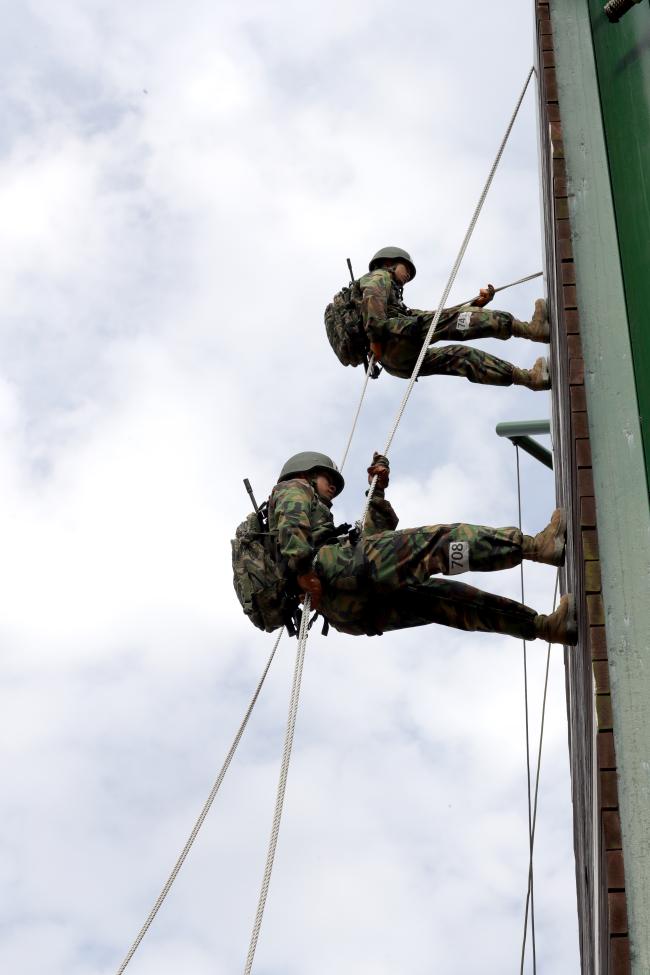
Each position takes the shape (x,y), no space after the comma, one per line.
(539,764)
(371,364)
(202,815)
(282,783)
(448,287)
(291,722)
(302,640)
(529,277)
(303,635)
(502,287)
(531,891)
(532,812)
(283,774)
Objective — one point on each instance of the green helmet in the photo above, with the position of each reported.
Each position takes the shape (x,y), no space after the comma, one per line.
(308,461)
(392,253)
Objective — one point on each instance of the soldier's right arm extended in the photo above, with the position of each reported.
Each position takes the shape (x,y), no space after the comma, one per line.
(292,506)
(381,514)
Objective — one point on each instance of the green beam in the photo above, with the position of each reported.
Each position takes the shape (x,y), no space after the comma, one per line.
(522,428)
(517,431)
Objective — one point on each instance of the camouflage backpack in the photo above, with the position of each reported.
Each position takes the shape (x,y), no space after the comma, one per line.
(258,578)
(344,326)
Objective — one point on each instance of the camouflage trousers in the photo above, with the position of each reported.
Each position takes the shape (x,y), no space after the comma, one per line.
(403,338)
(383,583)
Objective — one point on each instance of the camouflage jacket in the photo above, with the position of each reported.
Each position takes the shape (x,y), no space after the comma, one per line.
(381,300)
(302,522)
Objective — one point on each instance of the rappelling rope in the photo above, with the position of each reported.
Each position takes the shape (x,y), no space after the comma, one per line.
(529,900)
(371,364)
(303,635)
(204,812)
(448,287)
(529,277)
(502,287)
(530,818)
(282,783)
(532,813)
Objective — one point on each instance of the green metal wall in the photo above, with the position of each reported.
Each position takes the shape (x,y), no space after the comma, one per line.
(622,53)
(603,76)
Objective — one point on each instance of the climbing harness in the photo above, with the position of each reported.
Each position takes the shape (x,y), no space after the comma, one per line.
(304,625)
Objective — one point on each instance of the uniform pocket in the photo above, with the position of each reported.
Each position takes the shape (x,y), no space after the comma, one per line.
(341,566)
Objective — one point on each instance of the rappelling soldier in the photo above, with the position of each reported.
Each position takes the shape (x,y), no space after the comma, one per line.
(382,579)
(369,315)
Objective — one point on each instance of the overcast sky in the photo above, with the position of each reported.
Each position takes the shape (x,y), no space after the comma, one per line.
(180,185)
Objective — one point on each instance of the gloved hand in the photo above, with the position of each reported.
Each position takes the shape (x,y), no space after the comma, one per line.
(485,295)
(380,467)
(311,584)
(377,350)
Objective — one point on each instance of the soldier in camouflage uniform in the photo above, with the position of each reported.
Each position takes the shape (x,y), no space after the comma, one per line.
(396,333)
(383,581)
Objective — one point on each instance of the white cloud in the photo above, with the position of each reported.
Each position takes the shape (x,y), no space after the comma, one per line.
(180,188)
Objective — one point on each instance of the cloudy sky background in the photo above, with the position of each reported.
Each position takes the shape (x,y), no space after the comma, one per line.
(180,185)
